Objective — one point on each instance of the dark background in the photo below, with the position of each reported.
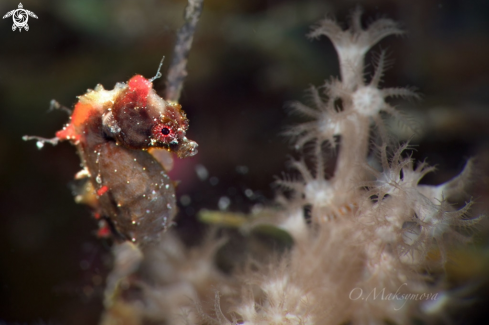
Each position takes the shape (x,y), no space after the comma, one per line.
(249,58)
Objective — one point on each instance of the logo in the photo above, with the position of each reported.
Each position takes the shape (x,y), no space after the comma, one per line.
(20,17)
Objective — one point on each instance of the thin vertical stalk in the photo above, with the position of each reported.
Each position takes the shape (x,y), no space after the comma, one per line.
(178,67)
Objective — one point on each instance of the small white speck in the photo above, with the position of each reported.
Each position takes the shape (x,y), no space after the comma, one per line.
(134,222)
(223,203)
(98,179)
(167,186)
(202,172)
(39,144)
(248,192)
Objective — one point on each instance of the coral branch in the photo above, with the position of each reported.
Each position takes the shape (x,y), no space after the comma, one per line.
(178,67)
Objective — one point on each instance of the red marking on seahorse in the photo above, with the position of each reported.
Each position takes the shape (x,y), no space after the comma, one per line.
(81,113)
(68,133)
(104,231)
(101,191)
(139,88)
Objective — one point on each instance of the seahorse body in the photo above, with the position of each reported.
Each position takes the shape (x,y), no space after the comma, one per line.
(113,130)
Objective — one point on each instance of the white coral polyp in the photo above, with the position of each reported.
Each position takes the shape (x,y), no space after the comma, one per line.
(368,101)
(319,192)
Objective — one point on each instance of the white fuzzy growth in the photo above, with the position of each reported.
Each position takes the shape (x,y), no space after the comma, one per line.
(382,227)
(286,302)
(99,98)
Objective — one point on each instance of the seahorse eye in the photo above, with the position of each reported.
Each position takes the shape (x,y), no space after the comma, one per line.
(165,131)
